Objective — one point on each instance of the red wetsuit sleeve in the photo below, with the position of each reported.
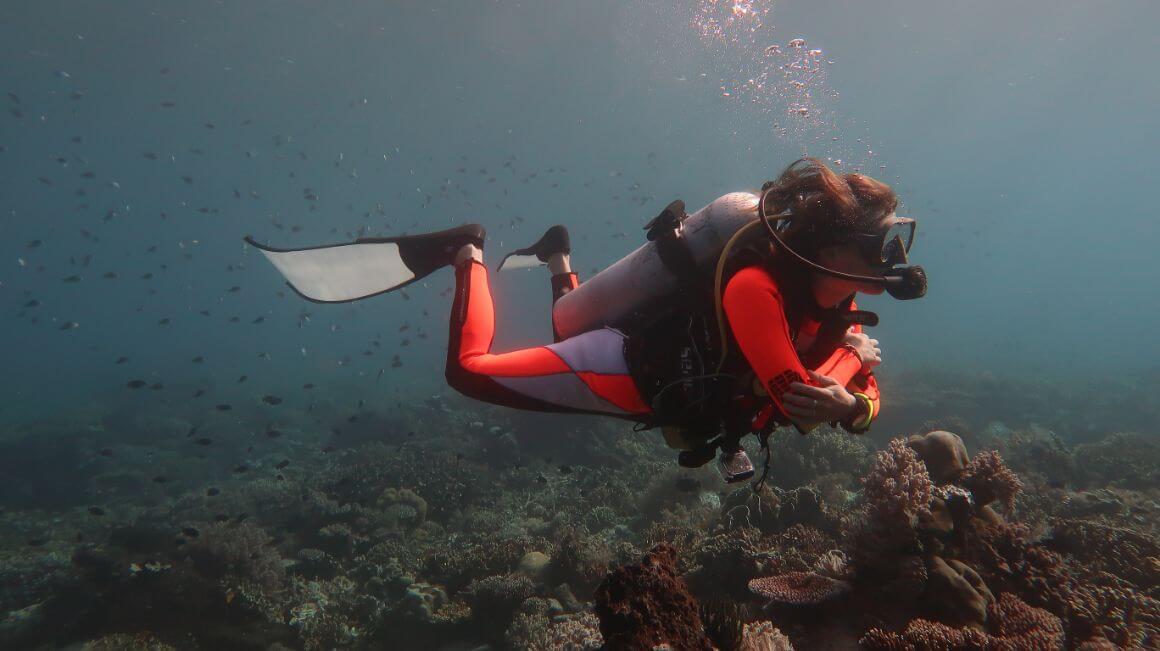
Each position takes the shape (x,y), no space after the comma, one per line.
(755,311)
(846,368)
(844,364)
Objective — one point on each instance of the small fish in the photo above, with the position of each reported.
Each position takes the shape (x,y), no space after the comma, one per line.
(273,433)
(105,452)
(272,400)
(242,517)
(241,468)
(36,542)
(199,393)
(212,492)
(121,360)
(96,510)
(135,384)
(191,532)
(164,321)
(688,485)
(282,464)
(71,279)
(156,386)
(221,517)
(32,303)
(197,360)
(307,386)
(71,325)
(224,407)
(160,479)
(204,441)
(565,469)
(242,379)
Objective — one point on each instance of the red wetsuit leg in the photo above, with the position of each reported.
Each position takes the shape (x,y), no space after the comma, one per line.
(583,374)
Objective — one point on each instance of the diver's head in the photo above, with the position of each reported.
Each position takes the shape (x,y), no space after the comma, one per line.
(845,223)
(875,252)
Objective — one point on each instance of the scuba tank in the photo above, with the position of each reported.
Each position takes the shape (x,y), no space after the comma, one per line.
(682,252)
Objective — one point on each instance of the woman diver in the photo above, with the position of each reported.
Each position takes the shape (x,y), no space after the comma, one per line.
(733,320)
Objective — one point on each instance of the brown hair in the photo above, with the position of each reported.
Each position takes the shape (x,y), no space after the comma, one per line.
(826,206)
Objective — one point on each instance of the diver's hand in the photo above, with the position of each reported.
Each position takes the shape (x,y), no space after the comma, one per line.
(866,348)
(809,405)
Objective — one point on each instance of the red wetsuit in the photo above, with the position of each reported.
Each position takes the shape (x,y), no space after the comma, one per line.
(588,373)
(756,312)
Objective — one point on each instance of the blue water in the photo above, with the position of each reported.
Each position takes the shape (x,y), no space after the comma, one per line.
(1022,138)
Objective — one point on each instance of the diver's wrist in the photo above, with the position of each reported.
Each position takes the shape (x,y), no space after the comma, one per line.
(853,407)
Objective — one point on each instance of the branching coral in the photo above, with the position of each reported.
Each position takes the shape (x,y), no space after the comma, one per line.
(896,492)
(1126,553)
(1016,627)
(1127,460)
(239,550)
(494,599)
(989,479)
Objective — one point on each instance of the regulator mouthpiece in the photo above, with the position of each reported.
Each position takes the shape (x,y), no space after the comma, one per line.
(906,283)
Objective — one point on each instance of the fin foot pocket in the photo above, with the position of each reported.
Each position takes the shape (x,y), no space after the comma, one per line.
(554,240)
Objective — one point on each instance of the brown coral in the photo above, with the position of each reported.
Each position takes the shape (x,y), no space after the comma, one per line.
(943,453)
(1024,626)
(798,588)
(958,593)
(897,492)
(1017,627)
(1126,553)
(921,634)
(989,479)
(646,604)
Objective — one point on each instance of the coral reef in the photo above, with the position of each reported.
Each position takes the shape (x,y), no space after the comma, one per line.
(646,604)
(943,453)
(989,479)
(1015,625)
(486,533)
(799,588)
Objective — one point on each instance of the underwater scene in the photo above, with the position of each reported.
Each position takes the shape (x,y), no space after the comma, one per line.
(560,325)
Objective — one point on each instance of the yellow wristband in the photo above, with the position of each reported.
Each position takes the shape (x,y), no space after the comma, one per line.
(864,422)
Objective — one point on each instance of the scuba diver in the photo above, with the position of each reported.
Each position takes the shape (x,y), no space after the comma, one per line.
(734,320)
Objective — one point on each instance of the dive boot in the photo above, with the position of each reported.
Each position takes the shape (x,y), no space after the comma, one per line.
(370,265)
(554,240)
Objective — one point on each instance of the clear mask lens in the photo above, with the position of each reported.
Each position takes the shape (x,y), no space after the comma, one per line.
(896,242)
